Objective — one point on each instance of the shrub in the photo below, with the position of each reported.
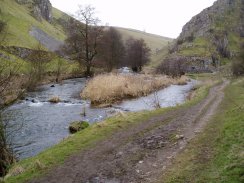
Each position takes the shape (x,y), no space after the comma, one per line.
(190,38)
(2,26)
(180,41)
(238,63)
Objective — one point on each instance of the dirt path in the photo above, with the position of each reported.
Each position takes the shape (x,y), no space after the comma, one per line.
(142,153)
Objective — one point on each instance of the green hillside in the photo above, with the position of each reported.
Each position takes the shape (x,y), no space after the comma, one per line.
(20,21)
(155,42)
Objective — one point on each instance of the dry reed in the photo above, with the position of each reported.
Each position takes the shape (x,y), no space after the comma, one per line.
(109,88)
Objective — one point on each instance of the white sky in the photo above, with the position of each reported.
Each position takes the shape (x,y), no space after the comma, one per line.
(162,17)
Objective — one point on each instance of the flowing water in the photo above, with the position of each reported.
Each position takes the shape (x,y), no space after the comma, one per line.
(39,124)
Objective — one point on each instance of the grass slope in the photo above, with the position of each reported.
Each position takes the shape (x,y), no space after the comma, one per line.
(19,22)
(153,41)
(217,154)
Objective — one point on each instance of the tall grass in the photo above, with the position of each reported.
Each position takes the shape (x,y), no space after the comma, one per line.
(109,88)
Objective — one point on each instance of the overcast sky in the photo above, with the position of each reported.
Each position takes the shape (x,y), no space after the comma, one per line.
(162,17)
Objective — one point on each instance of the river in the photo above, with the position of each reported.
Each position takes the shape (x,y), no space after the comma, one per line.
(39,124)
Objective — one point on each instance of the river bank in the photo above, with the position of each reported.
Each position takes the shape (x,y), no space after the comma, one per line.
(17,86)
(89,137)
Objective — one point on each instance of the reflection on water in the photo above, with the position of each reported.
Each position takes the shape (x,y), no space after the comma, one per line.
(170,96)
(45,124)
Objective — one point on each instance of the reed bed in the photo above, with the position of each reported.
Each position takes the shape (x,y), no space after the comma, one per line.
(110,88)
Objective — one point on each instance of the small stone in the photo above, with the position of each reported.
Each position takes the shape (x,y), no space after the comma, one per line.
(178,137)
(119,154)
(150,141)
(140,162)
(138,171)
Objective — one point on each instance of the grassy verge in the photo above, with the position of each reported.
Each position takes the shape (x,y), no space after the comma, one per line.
(39,165)
(109,88)
(216,155)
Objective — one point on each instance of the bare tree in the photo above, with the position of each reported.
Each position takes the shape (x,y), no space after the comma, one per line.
(8,72)
(60,64)
(38,60)
(7,156)
(83,38)
(111,49)
(174,67)
(137,53)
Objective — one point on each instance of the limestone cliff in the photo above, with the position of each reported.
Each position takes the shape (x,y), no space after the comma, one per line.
(201,24)
(214,36)
(43,9)
(40,8)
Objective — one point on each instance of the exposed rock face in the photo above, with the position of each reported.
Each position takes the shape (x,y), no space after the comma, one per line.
(200,25)
(42,9)
(49,42)
(17,51)
(23,1)
(208,38)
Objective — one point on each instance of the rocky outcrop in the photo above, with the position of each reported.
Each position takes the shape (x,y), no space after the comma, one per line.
(200,25)
(17,51)
(24,1)
(211,36)
(42,9)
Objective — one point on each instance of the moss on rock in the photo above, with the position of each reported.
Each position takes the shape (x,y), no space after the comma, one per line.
(78,126)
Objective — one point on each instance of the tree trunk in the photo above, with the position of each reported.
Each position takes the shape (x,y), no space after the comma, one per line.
(88,70)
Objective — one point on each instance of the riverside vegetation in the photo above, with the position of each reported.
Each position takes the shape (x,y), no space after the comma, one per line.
(88,138)
(34,39)
(109,88)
